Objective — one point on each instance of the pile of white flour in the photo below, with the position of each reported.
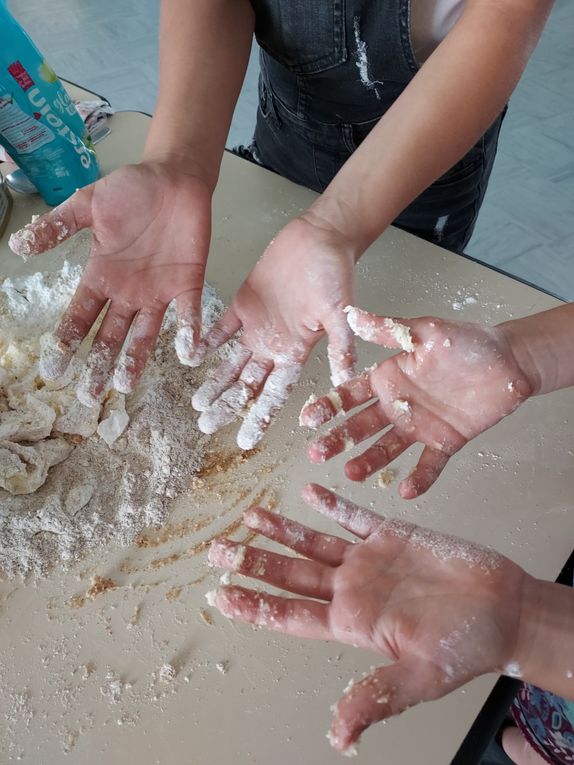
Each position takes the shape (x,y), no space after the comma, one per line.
(72,477)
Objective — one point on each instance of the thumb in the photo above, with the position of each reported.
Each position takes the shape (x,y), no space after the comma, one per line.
(386,692)
(54,227)
(379,329)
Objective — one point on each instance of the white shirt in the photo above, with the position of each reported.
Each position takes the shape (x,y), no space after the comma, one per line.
(431,21)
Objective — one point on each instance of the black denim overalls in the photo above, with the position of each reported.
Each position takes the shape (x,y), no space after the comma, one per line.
(329,70)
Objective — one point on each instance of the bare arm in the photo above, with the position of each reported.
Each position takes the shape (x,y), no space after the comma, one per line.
(140,263)
(449,104)
(204,49)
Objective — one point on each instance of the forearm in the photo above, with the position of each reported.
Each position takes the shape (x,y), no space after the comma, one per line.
(442,113)
(204,50)
(545,651)
(543,346)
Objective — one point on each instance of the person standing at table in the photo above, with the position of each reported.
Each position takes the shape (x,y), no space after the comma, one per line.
(390,108)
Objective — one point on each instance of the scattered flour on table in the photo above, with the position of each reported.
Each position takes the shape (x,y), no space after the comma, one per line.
(73,477)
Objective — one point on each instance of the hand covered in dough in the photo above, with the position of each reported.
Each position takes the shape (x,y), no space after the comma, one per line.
(151,227)
(442,610)
(295,293)
(451,382)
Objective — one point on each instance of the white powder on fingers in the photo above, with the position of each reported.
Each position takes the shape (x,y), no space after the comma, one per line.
(219,380)
(211,310)
(401,334)
(227,407)
(350,751)
(361,322)
(335,398)
(322,412)
(271,400)
(55,356)
(366,326)
(341,364)
(234,555)
(124,379)
(401,408)
(184,345)
(22,242)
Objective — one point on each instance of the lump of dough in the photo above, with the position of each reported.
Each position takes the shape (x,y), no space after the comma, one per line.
(77,419)
(30,424)
(23,469)
(115,419)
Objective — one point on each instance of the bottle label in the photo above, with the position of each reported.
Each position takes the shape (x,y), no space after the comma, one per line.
(21,130)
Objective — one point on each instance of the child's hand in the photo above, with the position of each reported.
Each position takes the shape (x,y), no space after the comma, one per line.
(150,228)
(454,381)
(441,609)
(294,294)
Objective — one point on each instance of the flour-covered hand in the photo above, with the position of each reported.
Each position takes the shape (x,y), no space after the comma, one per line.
(295,293)
(451,382)
(441,609)
(151,227)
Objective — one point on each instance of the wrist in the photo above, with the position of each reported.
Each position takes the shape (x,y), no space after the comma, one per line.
(543,653)
(543,347)
(182,163)
(332,216)
(169,166)
(525,351)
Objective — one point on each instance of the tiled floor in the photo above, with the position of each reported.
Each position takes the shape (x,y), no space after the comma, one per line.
(527,222)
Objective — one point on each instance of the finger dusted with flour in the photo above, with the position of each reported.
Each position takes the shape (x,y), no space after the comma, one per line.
(379,329)
(272,399)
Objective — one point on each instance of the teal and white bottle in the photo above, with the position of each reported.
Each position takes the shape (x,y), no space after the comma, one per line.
(39,125)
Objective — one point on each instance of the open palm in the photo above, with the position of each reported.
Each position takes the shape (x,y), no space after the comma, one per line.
(151,229)
(454,382)
(441,609)
(295,293)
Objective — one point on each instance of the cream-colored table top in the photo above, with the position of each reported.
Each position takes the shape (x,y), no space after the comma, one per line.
(512,488)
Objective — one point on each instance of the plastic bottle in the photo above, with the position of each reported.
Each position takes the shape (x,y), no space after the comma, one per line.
(39,125)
